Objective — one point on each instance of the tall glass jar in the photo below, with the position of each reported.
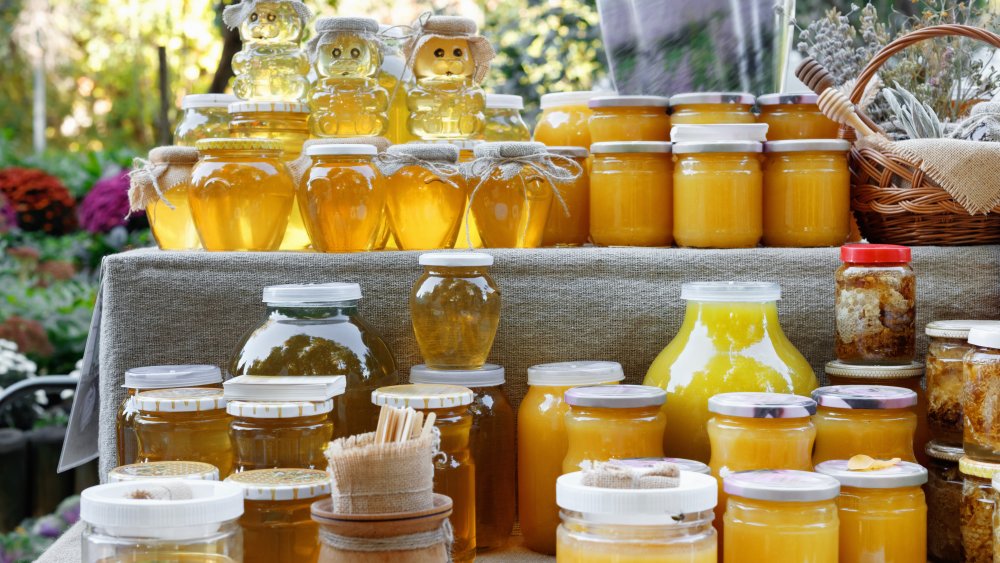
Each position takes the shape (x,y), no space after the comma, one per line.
(272,434)
(976,515)
(206,116)
(711,108)
(455,307)
(615,119)
(492,442)
(876,305)
(564,119)
(277,517)
(614,525)
(795,116)
(154,377)
(316,329)
(193,523)
(241,194)
(883,514)
(730,340)
(874,420)
(781,516)
(342,197)
(184,424)
(981,374)
(606,422)
(454,469)
(503,119)
(542,443)
(570,226)
(944,502)
(425,206)
(631,194)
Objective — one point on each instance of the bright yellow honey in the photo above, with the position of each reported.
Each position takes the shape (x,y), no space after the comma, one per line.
(781,532)
(882,434)
(445,102)
(629,118)
(511,213)
(342,198)
(570,226)
(564,121)
(631,195)
(795,116)
(711,108)
(887,525)
(602,434)
(271,66)
(595,543)
(174,228)
(426,211)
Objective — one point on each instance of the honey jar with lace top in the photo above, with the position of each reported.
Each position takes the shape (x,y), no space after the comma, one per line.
(184,424)
(711,108)
(164,184)
(795,115)
(184,470)
(206,116)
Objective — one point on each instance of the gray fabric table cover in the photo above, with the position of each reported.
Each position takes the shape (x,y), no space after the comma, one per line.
(618,304)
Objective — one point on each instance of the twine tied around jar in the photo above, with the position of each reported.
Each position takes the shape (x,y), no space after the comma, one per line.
(298,167)
(409,542)
(438,159)
(510,158)
(234,16)
(329,29)
(166,168)
(617,475)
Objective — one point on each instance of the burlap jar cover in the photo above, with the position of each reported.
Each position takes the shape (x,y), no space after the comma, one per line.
(329,29)
(233,16)
(167,168)
(300,165)
(615,475)
(438,159)
(450,27)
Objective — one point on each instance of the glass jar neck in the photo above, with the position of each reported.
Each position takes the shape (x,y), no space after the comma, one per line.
(226,154)
(457,271)
(727,421)
(313,311)
(605,413)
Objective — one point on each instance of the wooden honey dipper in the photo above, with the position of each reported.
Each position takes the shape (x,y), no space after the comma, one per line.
(832,102)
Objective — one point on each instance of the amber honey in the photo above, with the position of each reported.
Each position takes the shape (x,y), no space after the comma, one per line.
(874,420)
(564,119)
(425,206)
(629,118)
(510,213)
(570,225)
(711,108)
(288,435)
(631,194)
(795,116)
(184,424)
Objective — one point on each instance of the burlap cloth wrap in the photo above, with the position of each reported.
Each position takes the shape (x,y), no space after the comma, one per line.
(371,478)
(298,167)
(618,476)
(235,14)
(439,159)
(968,170)
(450,27)
(328,29)
(166,168)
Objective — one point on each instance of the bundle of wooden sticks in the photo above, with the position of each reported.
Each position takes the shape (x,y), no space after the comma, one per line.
(400,425)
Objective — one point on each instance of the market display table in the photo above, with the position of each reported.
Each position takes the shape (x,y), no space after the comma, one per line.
(618,304)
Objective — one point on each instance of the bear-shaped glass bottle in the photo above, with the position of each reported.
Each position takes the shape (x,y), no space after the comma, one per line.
(271,67)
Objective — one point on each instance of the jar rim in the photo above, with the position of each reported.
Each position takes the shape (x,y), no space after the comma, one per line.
(663,147)
(489,375)
(788,98)
(559,99)
(504,101)
(282,484)
(865,397)
(616,101)
(341,149)
(181,399)
(956,328)
(188,470)
(202,101)
(310,294)
(843,369)
(807,145)
(566,374)
(166,376)
(944,452)
(716,147)
(267,107)
(115,506)
(423,396)
(615,396)
(762,405)
(691,98)
(278,409)
(731,292)
(696,492)
(456,259)
(985,337)
(782,485)
(867,253)
(903,474)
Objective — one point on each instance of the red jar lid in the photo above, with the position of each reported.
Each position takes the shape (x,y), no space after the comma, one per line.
(875,253)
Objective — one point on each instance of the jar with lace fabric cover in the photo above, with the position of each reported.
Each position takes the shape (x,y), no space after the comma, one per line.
(449,61)
(514,185)
(425,203)
(241,194)
(160,186)
(346,99)
(271,66)
(205,116)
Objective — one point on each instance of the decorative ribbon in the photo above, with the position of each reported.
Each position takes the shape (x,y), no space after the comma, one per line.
(144,173)
(391,163)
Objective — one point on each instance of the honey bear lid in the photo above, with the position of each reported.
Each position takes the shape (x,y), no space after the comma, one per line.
(489,375)
(423,396)
(198,101)
(504,101)
(841,369)
(788,98)
(957,328)
(282,484)
(268,107)
(782,485)
(902,474)
(762,405)
(865,397)
(181,399)
(309,294)
(712,98)
(162,377)
(628,101)
(189,470)
(456,259)
(615,396)
(566,374)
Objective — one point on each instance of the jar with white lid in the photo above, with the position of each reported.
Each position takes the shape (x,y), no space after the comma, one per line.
(629,118)
(184,424)
(981,374)
(564,119)
(184,470)
(491,441)
(154,377)
(206,116)
(542,442)
(671,525)
(162,520)
(503,119)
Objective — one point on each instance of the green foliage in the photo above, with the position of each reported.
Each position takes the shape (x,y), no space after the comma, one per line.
(78,170)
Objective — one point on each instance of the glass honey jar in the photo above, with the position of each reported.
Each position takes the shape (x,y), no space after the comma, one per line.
(564,121)
(981,374)
(468,232)
(711,108)
(270,434)
(277,518)
(184,424)
(170,214)
(205,116)
(426,197)
(570,225)
(503,119)
(978,508)
(795,115)
(874,420)
(154,377)
(492,441)
(455,308)
(241,194)
(184,470)
(944,501)
(631,194)
(454,469)
(615,119)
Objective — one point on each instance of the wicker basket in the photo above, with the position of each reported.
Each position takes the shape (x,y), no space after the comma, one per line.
(892,198)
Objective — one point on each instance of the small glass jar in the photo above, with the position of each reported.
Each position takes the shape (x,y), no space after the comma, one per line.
(206,116)
(277,517)
(184,424)
(268,434)
(284,121)
(795,116)
(631,194)
(170,215)
(425,208)
(981,373)
(316,330)
(807,193)
(874,420)
(909,377)
(564,119)
(759,431)
(154,377)
(542,443)
(455,308)
(454,468)
(241,194)
(976,515)
(503,119)
(781,516)
(711,108)
(510,213)
(184,470)
(492,441)
(876,305)
(944,503)
(883,514)
(718,194)
(947,344)
(342,197)
(570,225)
(681,463)
(121,523)
(663,525)
(607,422)
(615,119)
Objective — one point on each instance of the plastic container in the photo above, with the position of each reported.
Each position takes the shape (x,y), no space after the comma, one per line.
(795,115)
(317,330)
(455,308)
(718,194)
(944,502)
(874,420)
(492,442)
(564,121)
(184,424)
(978,507)
(570,225)
(642,525)
(731,340)
(121,522)
(542,443)
(275,434)
(876,305)
(629,118)
(709,108)
(185,470)
(154,377)
(631,194)
(981,374)
(205,116)
(503,119)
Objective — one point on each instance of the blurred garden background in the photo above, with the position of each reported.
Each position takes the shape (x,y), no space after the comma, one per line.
(86,86)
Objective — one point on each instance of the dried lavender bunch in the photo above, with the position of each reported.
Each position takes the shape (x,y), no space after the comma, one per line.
(844,47)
